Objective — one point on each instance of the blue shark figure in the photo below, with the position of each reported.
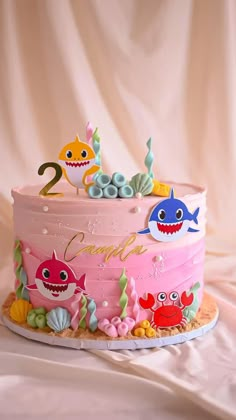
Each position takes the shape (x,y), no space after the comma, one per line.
(170,220)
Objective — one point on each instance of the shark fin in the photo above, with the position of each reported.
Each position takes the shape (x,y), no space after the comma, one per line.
(172,195)
(144,231)
(31,287)
(195,215)
(192,230)
(81,283)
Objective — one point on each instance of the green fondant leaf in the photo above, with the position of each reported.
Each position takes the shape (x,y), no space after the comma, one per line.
(19,291)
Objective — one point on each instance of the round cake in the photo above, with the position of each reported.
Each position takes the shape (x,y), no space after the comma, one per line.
(109,273)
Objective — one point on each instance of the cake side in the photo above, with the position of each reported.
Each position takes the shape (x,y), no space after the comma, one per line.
(99,239)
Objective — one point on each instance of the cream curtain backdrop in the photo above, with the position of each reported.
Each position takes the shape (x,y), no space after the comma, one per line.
(135,69)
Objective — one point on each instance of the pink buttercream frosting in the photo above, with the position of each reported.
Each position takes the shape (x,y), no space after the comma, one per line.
(45,224)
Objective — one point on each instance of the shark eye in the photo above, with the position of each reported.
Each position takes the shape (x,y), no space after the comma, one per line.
(161,214)
(173,296)
(69,154)
(84,153)
(63,275)
(161,297)
(179,214)
(46,273)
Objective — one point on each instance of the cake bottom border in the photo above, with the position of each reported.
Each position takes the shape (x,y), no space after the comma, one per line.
(114,344)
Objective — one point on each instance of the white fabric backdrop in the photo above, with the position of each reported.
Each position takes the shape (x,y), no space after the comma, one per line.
(134,68)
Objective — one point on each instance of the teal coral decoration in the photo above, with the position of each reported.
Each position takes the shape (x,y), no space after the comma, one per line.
(149,158)
(190,311)
(58,319)
(21,291)
(110,191)
(95,192)
(118,179)
(141,183)
(83,312)
(36,318)
(126,191)
(103,180)
(93,322)
(123,298)
(110,187)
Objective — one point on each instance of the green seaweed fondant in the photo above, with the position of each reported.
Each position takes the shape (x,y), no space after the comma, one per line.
(123,298)
(21,291)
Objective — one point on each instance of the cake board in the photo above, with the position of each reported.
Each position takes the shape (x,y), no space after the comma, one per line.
(204,321)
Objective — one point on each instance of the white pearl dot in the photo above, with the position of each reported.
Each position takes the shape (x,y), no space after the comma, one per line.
(138,195)
(158,258)
(45,231)
(45,208)
(137,209)
(105,303)
(27,250)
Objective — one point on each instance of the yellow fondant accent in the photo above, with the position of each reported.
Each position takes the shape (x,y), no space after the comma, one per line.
(109,251)
(150,332)
(160,189)
(19,310)
(139,332)
(145,323)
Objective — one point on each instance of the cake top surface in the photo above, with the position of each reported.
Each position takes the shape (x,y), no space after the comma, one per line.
(182,190)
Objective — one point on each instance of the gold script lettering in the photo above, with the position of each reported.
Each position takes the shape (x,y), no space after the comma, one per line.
(109,251)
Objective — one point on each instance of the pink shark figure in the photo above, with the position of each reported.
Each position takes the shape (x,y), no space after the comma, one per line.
(56,281)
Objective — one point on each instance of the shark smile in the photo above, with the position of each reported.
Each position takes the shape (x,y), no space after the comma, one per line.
(169,228)
(55,288)
(77,164)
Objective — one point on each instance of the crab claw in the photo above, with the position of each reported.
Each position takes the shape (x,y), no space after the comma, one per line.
(186,300)
(147,303)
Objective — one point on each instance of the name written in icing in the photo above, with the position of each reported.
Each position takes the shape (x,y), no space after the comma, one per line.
(122,251)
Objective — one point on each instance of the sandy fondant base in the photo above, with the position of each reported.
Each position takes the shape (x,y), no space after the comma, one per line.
(205,319)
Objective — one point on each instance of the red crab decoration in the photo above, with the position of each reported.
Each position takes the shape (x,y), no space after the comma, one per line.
(168,315)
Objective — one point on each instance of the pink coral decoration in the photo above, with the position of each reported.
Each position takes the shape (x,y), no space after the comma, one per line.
(116,320)
(122,329)
(102,323)
(130,322)
(111,330)
(116,327)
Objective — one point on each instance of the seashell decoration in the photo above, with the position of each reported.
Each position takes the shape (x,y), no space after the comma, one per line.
(19,310)
(58,319)
(141,183)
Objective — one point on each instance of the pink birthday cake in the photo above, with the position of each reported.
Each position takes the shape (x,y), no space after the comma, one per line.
(105,262)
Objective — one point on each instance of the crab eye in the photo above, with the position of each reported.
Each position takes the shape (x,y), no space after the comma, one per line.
(161,297)
(179,214)
(46,273)
(161,214)
(63,275)
(69,154)
(84,153)
(173,296)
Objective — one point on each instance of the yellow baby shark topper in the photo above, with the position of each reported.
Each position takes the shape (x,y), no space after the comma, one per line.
(77,160)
